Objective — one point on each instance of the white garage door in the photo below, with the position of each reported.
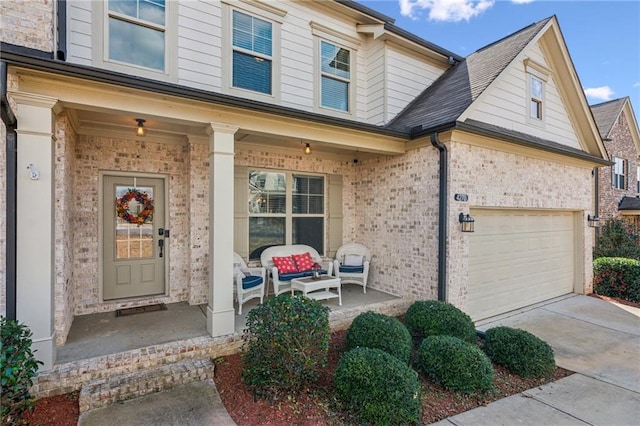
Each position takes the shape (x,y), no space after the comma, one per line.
(518,258)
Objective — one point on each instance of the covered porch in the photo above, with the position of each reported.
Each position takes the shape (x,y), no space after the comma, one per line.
(86,134)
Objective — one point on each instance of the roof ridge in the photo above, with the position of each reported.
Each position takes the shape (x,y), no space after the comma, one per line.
(545,20)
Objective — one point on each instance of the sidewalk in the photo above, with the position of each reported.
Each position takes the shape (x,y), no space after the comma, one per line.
(598,340)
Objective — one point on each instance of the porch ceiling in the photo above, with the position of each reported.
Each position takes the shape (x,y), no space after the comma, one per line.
(162,129)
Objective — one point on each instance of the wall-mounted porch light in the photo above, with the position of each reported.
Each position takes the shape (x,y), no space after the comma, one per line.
(307,149)
(594,221)
(466,222)
(140,130)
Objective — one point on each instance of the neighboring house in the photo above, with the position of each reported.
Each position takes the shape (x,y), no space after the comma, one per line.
(230,93)
(619,184)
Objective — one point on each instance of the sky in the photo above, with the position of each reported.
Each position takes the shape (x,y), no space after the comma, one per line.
(603,37)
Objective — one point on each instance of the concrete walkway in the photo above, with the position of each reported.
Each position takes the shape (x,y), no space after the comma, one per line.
(598,340)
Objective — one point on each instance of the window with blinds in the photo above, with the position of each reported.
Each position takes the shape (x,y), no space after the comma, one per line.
(285,208)
(335,76)
(252,53)
(618,173)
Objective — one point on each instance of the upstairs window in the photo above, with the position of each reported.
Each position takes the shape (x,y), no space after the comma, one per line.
(618,173)
(137,32)
(638,188)
(252,53)
(535,105)
(335,76)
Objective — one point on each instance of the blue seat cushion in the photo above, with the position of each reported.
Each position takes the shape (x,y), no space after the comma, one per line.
(352,269)
(251,281)
(291,275)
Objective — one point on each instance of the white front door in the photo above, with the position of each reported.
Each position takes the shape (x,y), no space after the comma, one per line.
(134,252)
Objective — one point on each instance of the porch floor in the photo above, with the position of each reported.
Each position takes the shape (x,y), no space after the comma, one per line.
(104,333)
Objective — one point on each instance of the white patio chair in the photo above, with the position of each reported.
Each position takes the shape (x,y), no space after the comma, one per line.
(352,264)
(249,282)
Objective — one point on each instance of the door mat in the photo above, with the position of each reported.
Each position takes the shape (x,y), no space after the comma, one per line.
(141,310)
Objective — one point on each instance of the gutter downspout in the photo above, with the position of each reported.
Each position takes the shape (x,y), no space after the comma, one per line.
(596,184)
(442,217)
(11,124)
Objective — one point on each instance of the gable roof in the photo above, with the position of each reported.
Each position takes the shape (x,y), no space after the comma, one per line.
(606,115)
(448,97)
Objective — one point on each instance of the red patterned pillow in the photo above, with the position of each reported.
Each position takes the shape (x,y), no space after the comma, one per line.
(285,265)
(304,261)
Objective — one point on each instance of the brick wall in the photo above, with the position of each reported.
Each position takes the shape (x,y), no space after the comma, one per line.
(28,23)
(494,178)
(65,142)
(620,145)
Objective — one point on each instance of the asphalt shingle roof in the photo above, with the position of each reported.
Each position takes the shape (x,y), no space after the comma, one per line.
(629,203)
(449,96)
(606,114)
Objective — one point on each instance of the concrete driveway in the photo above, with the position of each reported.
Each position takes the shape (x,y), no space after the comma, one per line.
(598,340)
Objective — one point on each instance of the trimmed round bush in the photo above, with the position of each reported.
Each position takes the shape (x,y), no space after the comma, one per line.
(617,277)
(378,386)
(520,352)
(434,318)
(374,330)
(285,343)
(457,365)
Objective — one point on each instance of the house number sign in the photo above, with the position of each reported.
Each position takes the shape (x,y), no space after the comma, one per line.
(461,197)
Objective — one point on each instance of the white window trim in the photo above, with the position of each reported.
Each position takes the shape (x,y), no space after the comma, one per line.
(539,72)
(289,215)
(638,181)
(267,13)
(614,173)
(100,44)
(323,33)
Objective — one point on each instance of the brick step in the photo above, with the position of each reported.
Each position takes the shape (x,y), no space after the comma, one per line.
(118,388)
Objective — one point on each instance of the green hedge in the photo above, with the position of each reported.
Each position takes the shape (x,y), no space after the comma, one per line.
(618,238)
(520,352)
(457,365)
(375,330)
(285,343)
(617,277)
(432,318)
(380,388)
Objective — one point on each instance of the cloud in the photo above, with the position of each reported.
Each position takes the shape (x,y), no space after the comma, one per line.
(603,93)
(636,84)
(521,1)
(445,10)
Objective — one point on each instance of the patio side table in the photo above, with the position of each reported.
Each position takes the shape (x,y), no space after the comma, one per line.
(318,289)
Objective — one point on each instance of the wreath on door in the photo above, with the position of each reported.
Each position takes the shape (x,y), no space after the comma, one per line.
(146,211)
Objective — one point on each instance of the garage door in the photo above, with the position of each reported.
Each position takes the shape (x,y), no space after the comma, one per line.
(517,258)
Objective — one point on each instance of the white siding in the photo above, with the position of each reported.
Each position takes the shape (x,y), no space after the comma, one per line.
(506,103)
(407,76)
(79,26)
(374,70)
(200,45)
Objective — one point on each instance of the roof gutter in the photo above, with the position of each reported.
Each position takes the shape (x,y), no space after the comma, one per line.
(11,124)
(442,217)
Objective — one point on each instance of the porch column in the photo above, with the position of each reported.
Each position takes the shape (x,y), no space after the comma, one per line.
(220,313)
(35,252)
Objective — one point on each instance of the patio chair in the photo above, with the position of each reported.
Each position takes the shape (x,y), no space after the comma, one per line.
(352,264)
(249,282)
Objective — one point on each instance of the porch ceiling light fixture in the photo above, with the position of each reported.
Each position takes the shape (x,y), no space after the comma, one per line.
(307,149)
(140,130)
(594,221)
(467,222)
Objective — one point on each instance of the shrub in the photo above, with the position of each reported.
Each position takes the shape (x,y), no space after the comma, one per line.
(617,239)
(457,365)
(432,318)
(380,388)
(374,330)
(520,352)
(18,367)
(617,277)
(285,342)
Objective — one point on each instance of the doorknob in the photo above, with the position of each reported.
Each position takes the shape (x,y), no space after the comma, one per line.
(161,245)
